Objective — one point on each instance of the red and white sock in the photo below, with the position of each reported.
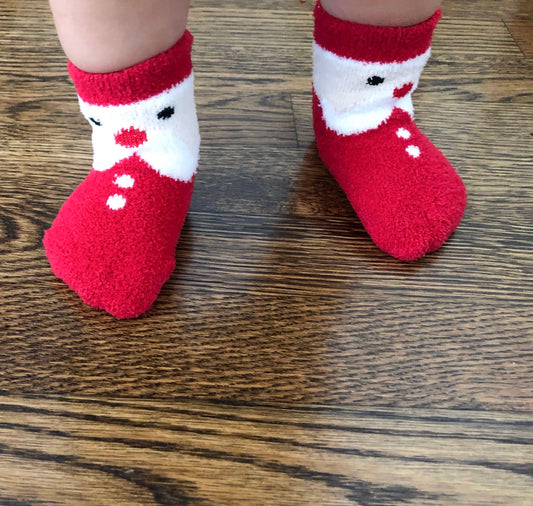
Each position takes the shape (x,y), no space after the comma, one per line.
(114,239)
(405,192)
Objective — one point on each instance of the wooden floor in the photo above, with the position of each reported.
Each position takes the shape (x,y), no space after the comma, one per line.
(287,361)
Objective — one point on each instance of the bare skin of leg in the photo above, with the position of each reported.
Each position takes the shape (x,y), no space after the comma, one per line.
(108,35)
(382,12)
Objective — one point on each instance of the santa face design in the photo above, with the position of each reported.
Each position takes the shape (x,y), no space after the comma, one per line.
(162,130)
(357,96)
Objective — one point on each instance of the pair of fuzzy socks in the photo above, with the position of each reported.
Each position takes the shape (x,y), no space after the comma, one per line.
(114,239)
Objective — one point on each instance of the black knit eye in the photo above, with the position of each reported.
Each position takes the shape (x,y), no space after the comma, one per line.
(95,121)
(166,113)
(375,80)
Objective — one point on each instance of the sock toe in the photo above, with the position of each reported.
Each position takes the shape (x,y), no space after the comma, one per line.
(419,221)
(118,260)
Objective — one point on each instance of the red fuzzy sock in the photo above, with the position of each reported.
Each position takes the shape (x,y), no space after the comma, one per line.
(114,239)
(405,192)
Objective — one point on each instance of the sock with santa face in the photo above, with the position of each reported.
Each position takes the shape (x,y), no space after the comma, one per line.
(405,192)
(114,239)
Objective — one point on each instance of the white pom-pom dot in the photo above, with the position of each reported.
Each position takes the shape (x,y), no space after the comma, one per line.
(413,151)
(124,181)
(116,202)
(402,133)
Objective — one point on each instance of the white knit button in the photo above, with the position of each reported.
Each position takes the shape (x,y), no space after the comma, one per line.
(413,151)
(402,133)
(116,202)
(124,181)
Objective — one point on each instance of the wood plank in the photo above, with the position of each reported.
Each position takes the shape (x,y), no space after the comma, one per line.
(521,28)
(87,451)
(204,339)
(518,18)
(273,5)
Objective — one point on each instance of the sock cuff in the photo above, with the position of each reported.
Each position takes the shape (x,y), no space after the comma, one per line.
(138,82)
(384,44)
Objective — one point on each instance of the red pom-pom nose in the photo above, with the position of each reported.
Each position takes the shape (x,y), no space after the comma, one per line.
(130,138)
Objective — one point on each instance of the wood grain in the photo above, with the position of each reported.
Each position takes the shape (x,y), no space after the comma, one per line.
(518,18)
(287,360)
(143,452)
(272,252)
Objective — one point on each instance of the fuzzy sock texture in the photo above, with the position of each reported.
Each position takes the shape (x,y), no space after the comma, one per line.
(114,239)
(407,195)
